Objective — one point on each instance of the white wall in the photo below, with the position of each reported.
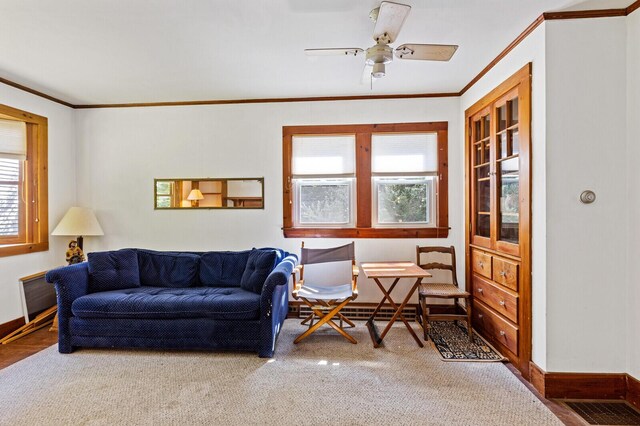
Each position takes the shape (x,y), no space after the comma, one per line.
(633,179)
(62,195)
(121,151)
(586,149)
(532,49)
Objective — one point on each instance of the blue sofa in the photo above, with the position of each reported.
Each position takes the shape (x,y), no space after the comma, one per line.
(134,298)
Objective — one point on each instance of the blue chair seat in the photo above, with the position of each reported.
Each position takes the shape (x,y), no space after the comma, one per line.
(228,303)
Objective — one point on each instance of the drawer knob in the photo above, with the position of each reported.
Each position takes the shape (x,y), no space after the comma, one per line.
(480,290)
(480,316)
(481,264)
(502,333)
(502,303)
(503,274)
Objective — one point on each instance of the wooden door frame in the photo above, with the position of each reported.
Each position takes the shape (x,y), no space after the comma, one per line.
(522,79)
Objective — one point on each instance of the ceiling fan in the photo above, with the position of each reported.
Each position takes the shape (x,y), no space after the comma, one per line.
(389,18)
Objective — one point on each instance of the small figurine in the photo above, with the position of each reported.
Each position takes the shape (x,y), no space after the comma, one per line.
(74,253)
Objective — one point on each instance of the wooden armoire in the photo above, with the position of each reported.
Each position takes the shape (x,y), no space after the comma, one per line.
(498,212)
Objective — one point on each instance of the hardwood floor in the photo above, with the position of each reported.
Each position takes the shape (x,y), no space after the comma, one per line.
(26,346)
(43,338)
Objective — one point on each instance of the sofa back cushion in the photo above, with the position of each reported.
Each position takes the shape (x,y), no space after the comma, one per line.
(113,270)
(168,269)
(259,266)
(223,268)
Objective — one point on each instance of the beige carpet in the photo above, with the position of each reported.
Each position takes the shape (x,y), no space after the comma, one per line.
(322,381)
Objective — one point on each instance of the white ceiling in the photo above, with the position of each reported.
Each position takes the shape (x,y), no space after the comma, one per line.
(116,51)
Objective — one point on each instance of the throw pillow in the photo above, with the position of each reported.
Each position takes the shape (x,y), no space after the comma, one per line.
(259,266)
(113,270)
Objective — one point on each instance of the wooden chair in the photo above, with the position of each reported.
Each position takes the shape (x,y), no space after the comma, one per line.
(439,290)
(326,301)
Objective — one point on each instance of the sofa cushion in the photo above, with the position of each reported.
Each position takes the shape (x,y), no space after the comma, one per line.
(162,302)
(113,270)
(168,269)
(259,266)
(223,268)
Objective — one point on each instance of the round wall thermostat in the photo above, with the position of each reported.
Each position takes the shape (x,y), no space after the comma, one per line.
(588,197)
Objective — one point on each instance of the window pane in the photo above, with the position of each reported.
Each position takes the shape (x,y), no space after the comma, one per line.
(9,197)
(324,155)
(400,153)
(163,188)
(325,202)
(403,201)
(163,201)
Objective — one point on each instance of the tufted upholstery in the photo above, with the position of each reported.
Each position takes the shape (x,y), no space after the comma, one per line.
(235,318)
(161,302)
(168,269)
(259,266)
(113,270)
(223,268)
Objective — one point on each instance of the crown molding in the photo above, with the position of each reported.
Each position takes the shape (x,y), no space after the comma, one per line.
(547,16)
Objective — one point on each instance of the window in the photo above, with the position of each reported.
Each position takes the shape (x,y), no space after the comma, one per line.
(368,181)
(23,182)
(323,177)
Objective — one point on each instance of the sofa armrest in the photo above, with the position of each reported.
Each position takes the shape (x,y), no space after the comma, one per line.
(274,304)
(71,282)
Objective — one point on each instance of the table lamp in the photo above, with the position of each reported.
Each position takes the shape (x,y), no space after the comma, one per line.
(78,222)
(195,196)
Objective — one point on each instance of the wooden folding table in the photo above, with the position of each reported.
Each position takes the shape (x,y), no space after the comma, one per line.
(394,271)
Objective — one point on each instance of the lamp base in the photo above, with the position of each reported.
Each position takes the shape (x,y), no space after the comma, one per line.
(74,252)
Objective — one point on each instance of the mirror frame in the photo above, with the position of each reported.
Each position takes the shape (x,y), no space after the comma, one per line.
(155,193)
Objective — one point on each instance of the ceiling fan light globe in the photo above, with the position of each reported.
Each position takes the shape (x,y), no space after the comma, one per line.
(378,70)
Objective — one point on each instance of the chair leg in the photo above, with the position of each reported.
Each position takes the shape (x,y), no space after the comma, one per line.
(469,329)
(345,319)
(425,322)
(304,321)
(326,319)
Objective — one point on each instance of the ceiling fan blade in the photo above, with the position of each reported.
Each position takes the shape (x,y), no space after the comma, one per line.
(391,17)
(367,78)
(343,51)
(426,52)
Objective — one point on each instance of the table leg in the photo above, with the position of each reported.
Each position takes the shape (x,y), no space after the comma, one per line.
(379,337)
(399,314)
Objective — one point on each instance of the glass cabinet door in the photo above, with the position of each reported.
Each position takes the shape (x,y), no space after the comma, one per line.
(481,175)
(507,173)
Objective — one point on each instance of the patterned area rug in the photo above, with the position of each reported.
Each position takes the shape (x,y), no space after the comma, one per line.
(452,343)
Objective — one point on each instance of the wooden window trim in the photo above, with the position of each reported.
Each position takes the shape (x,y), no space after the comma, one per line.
(36,223)
(363,229)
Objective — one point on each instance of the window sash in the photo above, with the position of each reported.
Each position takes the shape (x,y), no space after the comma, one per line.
(12,207)
(327,180)
(432,201)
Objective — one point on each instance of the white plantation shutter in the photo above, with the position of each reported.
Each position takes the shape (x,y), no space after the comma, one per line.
(410,153)
(13,140)
(324,155)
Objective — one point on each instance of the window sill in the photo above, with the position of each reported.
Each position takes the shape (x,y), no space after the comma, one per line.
(15,249)
(366,232)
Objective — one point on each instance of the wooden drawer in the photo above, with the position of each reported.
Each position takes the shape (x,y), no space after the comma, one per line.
(505,272)
(497,328)
(481,263)
(500,300)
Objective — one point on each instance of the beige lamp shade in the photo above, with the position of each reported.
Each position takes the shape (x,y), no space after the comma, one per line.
(78,221)
(195,195)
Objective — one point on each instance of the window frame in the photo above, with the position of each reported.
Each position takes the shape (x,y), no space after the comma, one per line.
(35,186)
(364,226)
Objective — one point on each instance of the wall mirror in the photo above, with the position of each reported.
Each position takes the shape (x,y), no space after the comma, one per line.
(209,193)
